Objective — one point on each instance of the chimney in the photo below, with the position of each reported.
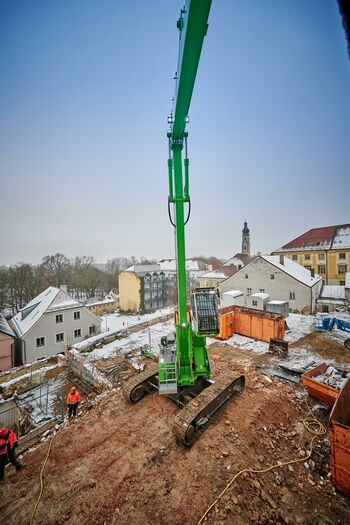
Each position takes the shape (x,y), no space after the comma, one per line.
(282,259)
(312,272)
(63,287)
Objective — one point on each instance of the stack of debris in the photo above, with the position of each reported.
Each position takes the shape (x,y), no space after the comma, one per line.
(333,377)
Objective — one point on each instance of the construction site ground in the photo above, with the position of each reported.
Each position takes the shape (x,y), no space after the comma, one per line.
(119,463)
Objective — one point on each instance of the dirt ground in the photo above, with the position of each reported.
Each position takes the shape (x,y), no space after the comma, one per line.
(120,465)
(325,345)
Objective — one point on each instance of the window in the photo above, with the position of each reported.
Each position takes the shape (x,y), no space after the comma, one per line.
(77,333)
(272,276)
(342,283)
(76,316)
(342,256)
(246,276)
(294,257)
(292,296)
(92,329)
(321,269)
(262,290)
(307,257)
(255,303)
(59,318)
(342,269)
(249,291)
(321,256)
(59,338)
(308,268)
(40,341)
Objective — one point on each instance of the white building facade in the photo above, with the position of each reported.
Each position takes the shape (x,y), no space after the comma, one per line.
(279,277)
(52,322)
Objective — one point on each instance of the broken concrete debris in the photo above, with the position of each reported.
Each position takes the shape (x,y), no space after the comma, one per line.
(333,377)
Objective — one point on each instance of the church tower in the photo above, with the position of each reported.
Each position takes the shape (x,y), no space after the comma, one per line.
(245,239)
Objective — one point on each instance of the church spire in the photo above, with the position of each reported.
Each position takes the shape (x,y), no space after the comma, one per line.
(245,238)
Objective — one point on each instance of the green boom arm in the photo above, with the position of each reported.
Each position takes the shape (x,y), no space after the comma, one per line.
(191,354)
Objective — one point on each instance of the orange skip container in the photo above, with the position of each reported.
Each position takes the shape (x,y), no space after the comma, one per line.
(340,440)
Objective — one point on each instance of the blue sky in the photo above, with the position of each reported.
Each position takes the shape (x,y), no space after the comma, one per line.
(86,88)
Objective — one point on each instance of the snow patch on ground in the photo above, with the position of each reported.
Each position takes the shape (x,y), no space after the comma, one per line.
(117,321)
(245,343)
(299,326)
(134,341)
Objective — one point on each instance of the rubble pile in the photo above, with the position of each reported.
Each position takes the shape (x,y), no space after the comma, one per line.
(333,377)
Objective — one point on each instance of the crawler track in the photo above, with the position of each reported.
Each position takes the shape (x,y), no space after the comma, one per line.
(192,420)
(136,387)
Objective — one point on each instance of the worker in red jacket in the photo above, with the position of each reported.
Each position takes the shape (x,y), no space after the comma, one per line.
(8,444)
(73,401)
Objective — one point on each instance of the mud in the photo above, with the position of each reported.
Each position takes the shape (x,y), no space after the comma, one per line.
(119,464)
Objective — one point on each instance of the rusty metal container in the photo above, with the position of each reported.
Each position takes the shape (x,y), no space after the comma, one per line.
(324,393)
(340,440)
(257,324)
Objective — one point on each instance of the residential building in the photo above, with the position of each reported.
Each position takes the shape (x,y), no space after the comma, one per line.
(52,322)
(331,298)
(7,345)
(324,250)
(107,305)
(214,278)
(146,287)
(279,277)
(143,287)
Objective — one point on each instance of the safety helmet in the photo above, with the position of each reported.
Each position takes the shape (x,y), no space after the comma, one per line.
(4,432)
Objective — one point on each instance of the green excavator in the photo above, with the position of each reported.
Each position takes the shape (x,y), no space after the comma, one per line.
(183,372)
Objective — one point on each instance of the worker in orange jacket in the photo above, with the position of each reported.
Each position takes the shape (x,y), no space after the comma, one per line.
(8,444)
(73,401)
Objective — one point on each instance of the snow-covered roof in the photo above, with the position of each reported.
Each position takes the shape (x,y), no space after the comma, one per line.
(277,302)
(293,269)
(5,327)
(235,261)
(63,305)
(233,293)
(332,292)
(342,238)
(221,273)
(240,259)
(142,269)
(192,265)
(326,238)
(347,280)
(51,299)
(261,295)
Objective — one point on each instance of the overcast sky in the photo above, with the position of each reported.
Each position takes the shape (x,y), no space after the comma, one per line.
(85,90)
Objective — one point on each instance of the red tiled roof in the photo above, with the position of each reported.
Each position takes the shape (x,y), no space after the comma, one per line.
(315,238)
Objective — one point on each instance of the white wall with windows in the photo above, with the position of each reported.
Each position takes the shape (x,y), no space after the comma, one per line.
(57,330)
(260,276)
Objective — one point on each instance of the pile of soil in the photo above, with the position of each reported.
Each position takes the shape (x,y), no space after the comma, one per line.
(119,464)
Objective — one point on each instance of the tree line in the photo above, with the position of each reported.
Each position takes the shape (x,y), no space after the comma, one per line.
(21,282)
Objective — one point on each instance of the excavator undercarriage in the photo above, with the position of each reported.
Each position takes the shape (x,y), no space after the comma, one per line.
(198,402)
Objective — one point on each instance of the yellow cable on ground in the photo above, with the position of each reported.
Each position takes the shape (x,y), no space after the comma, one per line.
(41,482)
(312,424)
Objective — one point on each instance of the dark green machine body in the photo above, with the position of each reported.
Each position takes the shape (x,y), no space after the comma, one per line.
(185,359)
